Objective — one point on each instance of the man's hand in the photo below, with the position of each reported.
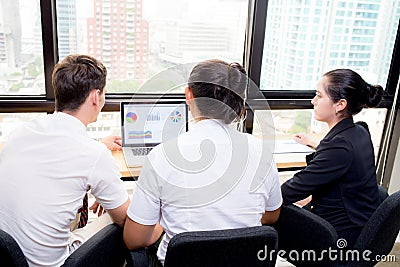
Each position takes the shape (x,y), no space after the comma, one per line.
(97,208)
(113,142)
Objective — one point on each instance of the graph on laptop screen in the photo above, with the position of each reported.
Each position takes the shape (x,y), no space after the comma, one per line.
(152,123)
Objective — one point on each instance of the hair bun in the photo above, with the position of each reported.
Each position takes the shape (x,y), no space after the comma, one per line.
(374,95)
(235,65)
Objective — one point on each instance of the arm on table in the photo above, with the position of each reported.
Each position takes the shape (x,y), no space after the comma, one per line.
(331,162)
(305,140)
(113,142)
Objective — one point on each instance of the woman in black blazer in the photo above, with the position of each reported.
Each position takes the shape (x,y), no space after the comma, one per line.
(340,175)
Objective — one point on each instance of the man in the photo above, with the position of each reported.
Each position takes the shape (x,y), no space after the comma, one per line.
(49,164)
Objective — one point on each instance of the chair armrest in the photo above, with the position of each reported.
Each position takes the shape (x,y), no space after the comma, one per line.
(301,230)
(105,248)
(137,258)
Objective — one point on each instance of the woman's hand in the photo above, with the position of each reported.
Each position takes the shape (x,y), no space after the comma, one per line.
(305,140)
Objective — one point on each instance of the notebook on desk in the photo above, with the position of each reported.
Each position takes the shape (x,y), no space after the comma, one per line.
(290,146)
(144,125)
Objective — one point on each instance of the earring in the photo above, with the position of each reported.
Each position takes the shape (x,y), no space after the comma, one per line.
(336,112)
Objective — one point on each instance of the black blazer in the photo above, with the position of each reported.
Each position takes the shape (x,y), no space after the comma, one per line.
(340,177)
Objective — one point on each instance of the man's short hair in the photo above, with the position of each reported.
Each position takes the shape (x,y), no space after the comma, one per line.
(73,78)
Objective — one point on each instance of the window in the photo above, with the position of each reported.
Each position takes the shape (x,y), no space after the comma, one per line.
(108,123)
(373,28)
(10,121)
(153,38)
(21,56)
(289,122)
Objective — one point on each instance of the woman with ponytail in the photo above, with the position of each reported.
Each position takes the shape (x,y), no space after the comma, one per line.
(206,183)
(340,176)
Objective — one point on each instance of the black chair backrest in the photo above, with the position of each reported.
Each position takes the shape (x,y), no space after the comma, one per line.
(106,248)
(304,236)
(10,253)
(380,232)
(383,194)
(234,247)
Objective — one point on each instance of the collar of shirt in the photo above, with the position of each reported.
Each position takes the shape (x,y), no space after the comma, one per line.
(339,127)
(73,124)
(210,122)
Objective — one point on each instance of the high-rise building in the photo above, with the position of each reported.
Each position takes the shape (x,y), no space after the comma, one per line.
(118,36)
(3,51)
(10,34)
(66,27)
(196,32)
(304,39)
(188,42)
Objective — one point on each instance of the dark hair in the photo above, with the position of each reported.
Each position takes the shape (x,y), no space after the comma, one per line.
(347,84)
(73,78)
(363,124)
(218,89)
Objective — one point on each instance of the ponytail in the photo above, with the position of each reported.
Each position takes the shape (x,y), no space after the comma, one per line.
(374,95)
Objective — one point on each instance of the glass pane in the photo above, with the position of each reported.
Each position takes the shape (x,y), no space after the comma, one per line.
(305,39)
(10,121)
(21,49)
(375,118)
(289,122)
(108,123)
(137,39)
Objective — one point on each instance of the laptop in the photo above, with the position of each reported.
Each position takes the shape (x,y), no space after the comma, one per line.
(144,125)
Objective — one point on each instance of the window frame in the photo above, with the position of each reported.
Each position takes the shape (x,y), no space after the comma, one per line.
(252,59)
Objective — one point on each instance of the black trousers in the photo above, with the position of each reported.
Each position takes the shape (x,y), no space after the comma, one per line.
(152,253)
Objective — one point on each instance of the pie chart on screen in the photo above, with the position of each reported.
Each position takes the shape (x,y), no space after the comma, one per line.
(131,117)
(175,116)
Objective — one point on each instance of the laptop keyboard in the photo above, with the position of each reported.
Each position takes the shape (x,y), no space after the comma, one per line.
(141,151)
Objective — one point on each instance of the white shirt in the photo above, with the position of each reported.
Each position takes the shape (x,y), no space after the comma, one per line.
(46,168)
(215,178)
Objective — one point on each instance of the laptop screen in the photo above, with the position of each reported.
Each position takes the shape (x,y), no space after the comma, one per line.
(148,124)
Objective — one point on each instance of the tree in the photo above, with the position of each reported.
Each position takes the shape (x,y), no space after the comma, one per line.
(32,70)
(301,122)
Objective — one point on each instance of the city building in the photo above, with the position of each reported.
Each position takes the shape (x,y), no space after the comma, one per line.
(188,42)
(10,35)
(118,36)
(186,37)
(66,27)
(304,39)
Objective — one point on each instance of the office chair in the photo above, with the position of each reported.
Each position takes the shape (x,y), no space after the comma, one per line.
(10,252)
(380,232)
(383,194)
(249,246)
(106,248)
(301,231)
